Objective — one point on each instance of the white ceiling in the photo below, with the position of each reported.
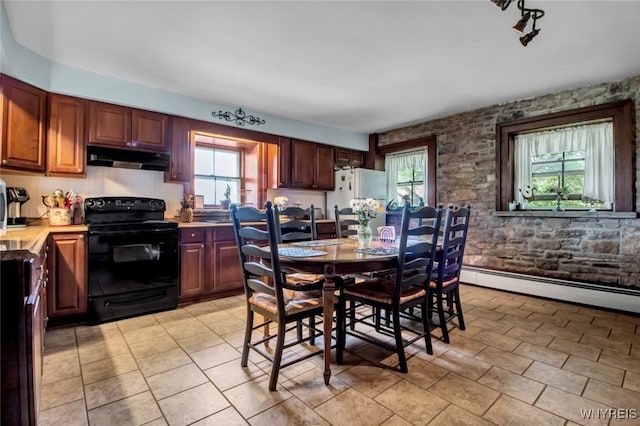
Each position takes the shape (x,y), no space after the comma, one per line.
(363,66)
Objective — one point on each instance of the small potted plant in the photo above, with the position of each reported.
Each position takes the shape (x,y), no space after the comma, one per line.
(224,204)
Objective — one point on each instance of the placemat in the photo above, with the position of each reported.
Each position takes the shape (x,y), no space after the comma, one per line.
(299,252)
(317,243)
(382,251)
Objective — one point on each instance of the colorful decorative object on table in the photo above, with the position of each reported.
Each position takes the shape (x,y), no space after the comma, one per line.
(366,209)
(387,233)
(60,205)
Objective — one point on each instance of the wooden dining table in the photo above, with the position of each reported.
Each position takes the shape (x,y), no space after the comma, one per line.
(341,258)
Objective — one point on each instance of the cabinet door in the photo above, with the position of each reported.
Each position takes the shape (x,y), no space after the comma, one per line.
(302,164)
(149,130)
(192,270)
(228,275)
(324,175)
(66,137)
(67,289)
(284,162)
(357,158)
(180,170)
(23,125)
(343,156)
(35,346)
(109,125)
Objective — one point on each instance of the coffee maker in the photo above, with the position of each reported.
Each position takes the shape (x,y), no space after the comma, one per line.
(16,197)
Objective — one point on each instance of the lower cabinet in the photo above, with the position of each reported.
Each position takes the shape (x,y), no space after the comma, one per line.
(67,263)
(209,264)
(193,263)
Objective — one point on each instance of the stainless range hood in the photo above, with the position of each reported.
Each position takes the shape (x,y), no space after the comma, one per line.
(113,157)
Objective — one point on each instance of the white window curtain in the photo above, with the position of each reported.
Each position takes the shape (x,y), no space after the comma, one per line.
(393,163)
(596,140)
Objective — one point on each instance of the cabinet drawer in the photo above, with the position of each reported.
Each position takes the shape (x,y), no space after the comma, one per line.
(192,235)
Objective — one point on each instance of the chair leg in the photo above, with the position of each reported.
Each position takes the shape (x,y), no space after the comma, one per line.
(427,327)
(441,318)
(397,332)
(299,330)
(247,338)
(277,357)
(352,315)
(312,330)
(265,333)
(459,310)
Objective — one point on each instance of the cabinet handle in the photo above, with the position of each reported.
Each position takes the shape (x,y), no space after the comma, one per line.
(4,161)
(79,170)
(81,237)
(201,245)
(193,235)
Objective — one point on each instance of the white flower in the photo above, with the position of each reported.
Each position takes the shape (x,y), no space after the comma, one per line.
(365,208)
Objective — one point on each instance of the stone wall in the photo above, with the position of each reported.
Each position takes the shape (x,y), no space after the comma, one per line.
(597,250)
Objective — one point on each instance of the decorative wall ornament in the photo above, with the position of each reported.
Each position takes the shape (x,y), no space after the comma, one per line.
(239,116)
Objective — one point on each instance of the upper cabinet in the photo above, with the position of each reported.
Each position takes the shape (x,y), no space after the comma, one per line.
(349,157)
(284,163)
(23,125)
(121,127)
(180,169)
(66,136)
(311,165)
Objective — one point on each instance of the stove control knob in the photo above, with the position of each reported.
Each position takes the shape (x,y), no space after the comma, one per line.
(160,204)
(89,204)
(99,203)
(152,204)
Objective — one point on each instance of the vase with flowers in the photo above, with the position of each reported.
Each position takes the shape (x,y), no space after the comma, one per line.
(366,209)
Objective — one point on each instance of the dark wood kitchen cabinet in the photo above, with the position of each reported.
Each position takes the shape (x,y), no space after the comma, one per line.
(284,163)
(181,152)
(349,157)
(312,165)
(117,126)
(67,263)
(23,125)
(66,135)
(193,266)
(209,264)
(227,276)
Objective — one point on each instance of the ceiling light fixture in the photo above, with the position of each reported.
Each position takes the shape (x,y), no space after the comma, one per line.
(240,117)
(525,15)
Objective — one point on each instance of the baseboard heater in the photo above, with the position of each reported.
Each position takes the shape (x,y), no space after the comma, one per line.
(598,296)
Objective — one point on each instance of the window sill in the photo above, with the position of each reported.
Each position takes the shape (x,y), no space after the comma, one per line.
(567,213)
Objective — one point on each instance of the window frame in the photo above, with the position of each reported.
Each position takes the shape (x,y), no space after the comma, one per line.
(621,114)
(213,147)
(428,142)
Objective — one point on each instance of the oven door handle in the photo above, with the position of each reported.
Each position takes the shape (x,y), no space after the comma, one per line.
(157,296)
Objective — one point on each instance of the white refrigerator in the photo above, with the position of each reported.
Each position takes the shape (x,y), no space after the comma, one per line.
(359,183)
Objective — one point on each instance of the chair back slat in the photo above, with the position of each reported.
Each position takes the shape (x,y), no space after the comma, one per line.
(415,261)
(344,224)
(296,229)
(454,237)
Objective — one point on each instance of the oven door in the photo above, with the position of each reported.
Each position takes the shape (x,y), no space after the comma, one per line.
(132,271)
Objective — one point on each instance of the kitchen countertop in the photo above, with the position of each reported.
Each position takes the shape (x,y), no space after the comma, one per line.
(26,243)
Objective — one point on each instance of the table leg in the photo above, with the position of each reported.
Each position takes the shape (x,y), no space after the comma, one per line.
(328,291)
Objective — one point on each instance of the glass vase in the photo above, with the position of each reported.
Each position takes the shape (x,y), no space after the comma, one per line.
(364,234)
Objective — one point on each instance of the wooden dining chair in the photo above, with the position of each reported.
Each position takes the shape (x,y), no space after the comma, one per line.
(267,293)
(344,225)
(444,286)
(296,227)
(407,287)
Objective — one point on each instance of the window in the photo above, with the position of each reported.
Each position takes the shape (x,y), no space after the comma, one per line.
(567,160)
(405,175)
(569,167)
(214,169)
(411,170)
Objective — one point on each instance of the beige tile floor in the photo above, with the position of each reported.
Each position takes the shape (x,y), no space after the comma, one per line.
(521,361)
